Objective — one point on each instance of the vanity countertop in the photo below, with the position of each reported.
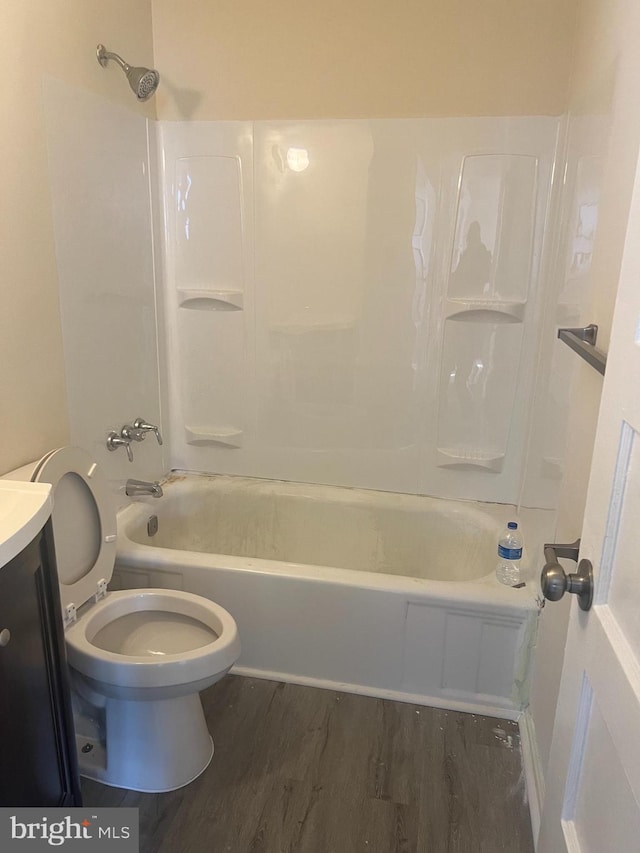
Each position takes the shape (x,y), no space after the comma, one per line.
(24,509)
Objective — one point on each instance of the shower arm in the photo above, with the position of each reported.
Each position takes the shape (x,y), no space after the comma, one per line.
(105,55)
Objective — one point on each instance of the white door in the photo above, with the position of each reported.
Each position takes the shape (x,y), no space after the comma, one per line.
(592,799)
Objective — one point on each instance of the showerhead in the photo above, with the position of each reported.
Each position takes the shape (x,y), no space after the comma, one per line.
(143,81)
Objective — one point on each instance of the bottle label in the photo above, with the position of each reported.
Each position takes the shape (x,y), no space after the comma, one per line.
(509,553)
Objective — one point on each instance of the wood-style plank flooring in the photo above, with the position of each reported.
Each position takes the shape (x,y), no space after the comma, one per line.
(304,770)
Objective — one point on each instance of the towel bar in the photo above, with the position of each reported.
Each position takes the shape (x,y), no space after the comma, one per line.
(583,342)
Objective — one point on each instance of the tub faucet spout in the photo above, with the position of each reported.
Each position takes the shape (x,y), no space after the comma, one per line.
(135,488)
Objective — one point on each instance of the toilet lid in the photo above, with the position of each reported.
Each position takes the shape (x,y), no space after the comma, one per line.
(84,522)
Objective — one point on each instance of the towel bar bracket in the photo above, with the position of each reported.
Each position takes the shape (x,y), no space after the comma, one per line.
(583,342)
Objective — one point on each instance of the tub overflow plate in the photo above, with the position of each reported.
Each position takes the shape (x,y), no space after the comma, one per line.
(152,525)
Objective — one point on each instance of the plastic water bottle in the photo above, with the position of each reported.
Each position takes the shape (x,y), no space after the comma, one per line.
(509,555)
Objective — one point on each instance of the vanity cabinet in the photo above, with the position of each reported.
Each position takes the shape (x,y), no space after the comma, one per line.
(38,765)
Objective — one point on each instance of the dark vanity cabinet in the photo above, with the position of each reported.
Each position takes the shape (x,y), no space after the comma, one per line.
(38,765)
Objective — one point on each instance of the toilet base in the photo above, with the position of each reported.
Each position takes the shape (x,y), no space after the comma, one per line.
(151,746)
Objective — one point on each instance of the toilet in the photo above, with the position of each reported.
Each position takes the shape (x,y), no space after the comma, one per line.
(138,658)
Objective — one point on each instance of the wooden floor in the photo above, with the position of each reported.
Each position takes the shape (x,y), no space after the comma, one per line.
(303,770)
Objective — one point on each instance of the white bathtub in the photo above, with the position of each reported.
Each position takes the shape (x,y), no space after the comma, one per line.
(377,593)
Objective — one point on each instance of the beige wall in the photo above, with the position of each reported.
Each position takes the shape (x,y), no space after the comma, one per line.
(605,81)
(40,37)
(363,58)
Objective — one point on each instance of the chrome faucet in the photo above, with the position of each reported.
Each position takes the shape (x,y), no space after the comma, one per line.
(136,432)
(142,427)
(135,488)
(114,441)
(130,433)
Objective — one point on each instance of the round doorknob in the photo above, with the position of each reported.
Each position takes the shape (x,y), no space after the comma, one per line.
(5,636)
(555,582)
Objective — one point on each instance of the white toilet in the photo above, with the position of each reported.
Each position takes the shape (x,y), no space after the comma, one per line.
(138,658)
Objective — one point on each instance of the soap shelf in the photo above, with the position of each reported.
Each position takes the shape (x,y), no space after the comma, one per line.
(203,299)
(228,436)
(583,342)
(458,457)
(485,310)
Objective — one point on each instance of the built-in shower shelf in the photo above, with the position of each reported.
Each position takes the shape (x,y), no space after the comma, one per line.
(223,436)
(485,311)
(204,299)
(469,458)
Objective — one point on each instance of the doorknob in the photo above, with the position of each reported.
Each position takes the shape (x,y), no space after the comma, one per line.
(555,582)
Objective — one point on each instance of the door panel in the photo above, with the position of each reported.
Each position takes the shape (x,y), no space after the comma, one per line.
(593,782)
(603,773)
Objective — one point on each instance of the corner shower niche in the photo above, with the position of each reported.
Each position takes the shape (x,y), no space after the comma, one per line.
(486,310)
(209,291)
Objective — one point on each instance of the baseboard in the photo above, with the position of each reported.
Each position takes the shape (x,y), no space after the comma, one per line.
(450,704)
(534,777)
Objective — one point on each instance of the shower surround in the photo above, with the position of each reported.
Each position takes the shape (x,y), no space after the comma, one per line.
(355,303)
(358,302)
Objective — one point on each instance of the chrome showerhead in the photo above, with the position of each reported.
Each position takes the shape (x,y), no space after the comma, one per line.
(143,81)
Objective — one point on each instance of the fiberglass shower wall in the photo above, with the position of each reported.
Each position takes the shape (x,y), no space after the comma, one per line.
(356,302)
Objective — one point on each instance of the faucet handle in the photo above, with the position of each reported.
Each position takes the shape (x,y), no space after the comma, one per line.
(114,441)
(130,433)
(141,425)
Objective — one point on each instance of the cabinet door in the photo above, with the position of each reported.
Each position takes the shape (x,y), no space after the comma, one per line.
(35,767)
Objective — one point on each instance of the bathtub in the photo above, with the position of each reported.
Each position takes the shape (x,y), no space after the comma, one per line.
(383,594)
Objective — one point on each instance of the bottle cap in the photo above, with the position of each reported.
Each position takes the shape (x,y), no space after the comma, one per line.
(512,525)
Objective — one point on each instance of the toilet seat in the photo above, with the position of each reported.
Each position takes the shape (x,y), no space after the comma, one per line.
(146,670)
(84,523)
(84,530)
